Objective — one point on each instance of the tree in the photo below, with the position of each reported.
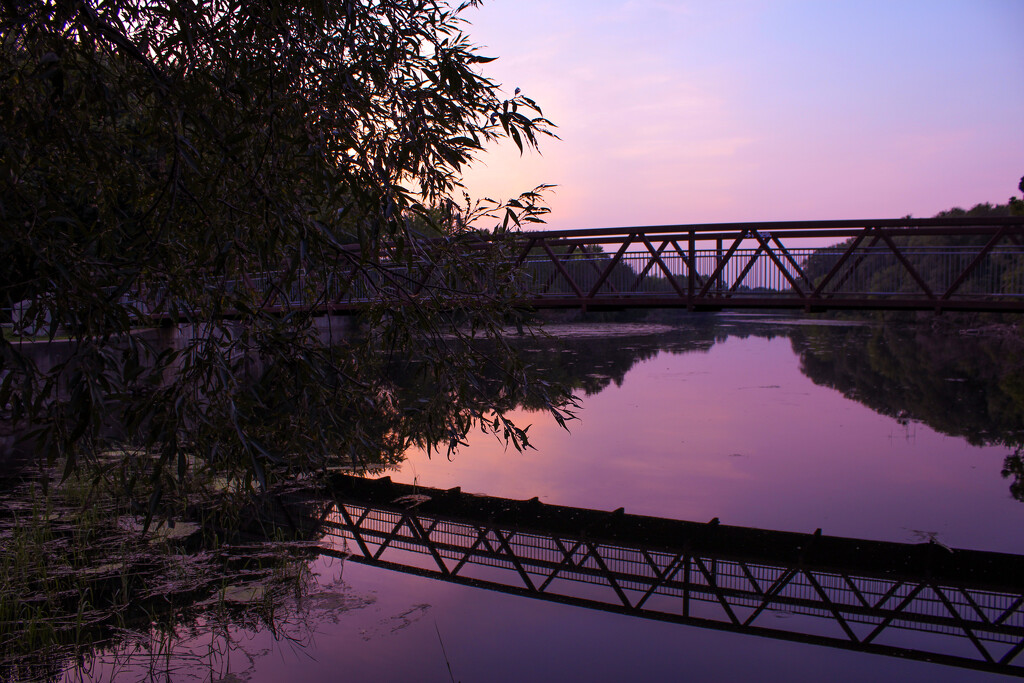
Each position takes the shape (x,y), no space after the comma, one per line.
(1017,205)
(158,154)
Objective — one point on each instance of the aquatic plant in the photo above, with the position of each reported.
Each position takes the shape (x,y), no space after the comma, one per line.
(81,577)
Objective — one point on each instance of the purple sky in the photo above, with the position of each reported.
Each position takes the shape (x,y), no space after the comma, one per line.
(683,112)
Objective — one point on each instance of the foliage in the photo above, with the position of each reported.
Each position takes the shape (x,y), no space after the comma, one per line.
(1013,466)
(156,157)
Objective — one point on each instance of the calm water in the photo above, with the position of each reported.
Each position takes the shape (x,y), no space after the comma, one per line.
(742,418)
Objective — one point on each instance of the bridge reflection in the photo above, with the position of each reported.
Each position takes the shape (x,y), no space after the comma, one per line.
(923,601)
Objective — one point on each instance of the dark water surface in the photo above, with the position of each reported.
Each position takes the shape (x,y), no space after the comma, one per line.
(775,424)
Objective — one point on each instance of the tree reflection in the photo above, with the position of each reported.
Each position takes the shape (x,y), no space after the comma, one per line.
(961,383)
(1013,466)
(966,383)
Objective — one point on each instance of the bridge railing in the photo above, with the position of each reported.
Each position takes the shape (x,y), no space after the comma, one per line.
(749,273)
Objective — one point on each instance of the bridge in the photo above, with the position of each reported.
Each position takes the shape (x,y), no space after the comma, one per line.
(955,264)
(920,601)
(924,264)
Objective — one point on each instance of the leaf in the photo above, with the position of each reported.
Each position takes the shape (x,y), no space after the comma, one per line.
(517,139)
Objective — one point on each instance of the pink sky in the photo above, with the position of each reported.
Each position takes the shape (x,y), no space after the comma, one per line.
(684,112)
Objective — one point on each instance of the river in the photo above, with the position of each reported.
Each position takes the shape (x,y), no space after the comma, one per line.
(765,422)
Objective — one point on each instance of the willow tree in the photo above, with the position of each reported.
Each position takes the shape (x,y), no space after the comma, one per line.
(158,155)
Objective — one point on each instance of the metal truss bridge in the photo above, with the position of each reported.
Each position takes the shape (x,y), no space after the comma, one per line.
(923,264)
(920,601)
(956,264)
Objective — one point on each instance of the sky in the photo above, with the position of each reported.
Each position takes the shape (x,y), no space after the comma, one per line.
(675,112)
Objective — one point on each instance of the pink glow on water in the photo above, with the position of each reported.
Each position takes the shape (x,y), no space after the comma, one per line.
(739,433)
(732,430)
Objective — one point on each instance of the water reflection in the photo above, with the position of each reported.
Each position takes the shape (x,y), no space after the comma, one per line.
(87,596)
(968,386)
(965,384)
(958,385)
(920,602)
(913,601)
(714,417)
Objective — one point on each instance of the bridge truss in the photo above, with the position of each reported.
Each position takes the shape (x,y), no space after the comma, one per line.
(910,264)
(958,264)
(925,602)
